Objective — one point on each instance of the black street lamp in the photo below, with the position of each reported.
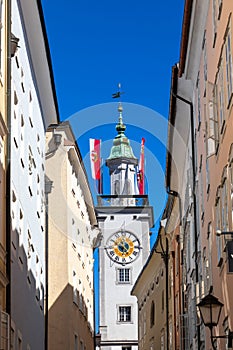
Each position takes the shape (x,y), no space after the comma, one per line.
(14,44)
(210,309)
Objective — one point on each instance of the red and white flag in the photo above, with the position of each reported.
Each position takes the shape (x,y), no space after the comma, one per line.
(141,170)
(95,158)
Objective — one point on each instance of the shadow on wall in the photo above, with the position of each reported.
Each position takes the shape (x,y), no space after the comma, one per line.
(27,296)
(68,322)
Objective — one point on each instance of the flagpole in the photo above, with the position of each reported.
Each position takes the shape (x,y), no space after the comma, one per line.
(100,181)
(95,159)
(141,170)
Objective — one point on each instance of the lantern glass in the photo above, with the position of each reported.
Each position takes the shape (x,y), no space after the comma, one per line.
(210,308)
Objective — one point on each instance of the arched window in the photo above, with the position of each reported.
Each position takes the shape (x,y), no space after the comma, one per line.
(128,186)
(152,314)
(117,187)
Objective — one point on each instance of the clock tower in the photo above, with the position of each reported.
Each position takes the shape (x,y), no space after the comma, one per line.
(125,219)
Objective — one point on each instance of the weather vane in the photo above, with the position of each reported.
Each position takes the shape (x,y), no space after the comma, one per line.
(118,93)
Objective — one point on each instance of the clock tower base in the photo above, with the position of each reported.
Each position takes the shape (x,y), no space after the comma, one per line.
(122,254)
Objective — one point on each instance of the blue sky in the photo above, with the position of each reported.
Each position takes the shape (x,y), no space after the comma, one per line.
(97,44)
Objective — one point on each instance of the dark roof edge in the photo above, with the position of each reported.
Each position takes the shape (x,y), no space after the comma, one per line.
(48,54)
(185,34)
(171,123)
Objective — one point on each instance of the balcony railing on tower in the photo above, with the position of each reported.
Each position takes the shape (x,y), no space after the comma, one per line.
(122,200)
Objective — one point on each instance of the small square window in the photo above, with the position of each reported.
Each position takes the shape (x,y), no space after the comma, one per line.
(123,275)
(124,314)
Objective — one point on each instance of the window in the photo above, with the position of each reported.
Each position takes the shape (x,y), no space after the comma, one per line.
(210,120)
(230,169)
(231,188)
(19,342)
(201,196)
(128,186)
(30,121)
(226,331)
(144,324)
(198,104)
(162,340)
(41,296)
(187,246)
(22,141)
(214,14)
(170,333)
(206,271)
(207,176)
(218,227)
(124,314)
(162,302)
(117,187)
(75,342)
(126,347)
(220,97)
(123,275)
(224,206)
(152,314)
(140,326)
(31,161)
(229,70)
(229,250)
(205,57)
(12,338)
(219,8)
(209,237)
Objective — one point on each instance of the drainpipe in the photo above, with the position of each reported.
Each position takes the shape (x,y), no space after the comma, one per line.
(8,160)
(165,256)
(193,191)
(95,248)
(48,189)
(174,194)
(166,259)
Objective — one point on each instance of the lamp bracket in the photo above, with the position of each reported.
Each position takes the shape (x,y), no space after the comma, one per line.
(228,336)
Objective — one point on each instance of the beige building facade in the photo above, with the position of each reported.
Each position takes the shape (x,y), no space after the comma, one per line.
(4,115)
(199,182)
(214,144)
(72,234)
(153,291)
(200,173)
(5,63)
(33,107)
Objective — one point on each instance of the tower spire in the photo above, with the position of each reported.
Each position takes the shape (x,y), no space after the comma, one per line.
(121,148)
(120,127)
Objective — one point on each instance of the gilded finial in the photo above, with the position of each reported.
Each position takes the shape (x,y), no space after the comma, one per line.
(120,108)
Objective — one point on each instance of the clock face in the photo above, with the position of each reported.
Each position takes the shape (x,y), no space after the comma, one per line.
(123,247)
